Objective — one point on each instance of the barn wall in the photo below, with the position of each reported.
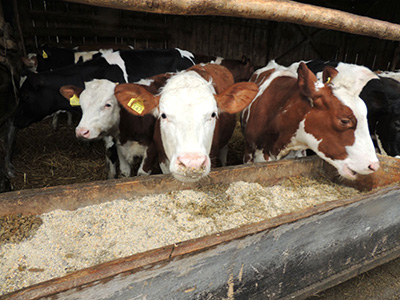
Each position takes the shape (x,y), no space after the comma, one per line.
(70,24)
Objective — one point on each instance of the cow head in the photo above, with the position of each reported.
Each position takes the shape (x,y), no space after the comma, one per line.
(336,125)
(187,109)
(100,109)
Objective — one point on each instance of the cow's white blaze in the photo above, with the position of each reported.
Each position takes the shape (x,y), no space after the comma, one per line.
(100,110)
(187,110)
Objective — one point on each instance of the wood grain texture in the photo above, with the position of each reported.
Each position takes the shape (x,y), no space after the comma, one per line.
(275,10)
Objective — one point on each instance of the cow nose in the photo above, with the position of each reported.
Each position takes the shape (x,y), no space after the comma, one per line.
(192,161)
(374,166)
(82,132)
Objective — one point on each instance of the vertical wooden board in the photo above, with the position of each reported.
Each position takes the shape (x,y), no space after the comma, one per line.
(218,46)
(257,46)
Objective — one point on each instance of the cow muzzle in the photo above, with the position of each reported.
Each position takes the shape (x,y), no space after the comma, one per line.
(191,167)
(351,174)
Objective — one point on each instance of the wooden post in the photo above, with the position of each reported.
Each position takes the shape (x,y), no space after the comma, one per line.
(18,26)
(276,10)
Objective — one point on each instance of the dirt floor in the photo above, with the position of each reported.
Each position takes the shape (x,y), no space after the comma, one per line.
(46,157)
(381,283)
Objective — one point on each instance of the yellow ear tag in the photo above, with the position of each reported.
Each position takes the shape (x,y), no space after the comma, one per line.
(44,54)
(136,104)
(74,100)
(328,80)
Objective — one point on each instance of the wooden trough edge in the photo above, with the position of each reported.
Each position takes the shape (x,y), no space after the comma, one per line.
(275,10)
(140,261)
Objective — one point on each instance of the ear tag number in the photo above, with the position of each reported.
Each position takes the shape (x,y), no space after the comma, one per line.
(136,104)
(328,80)
(74,100)
(44,54)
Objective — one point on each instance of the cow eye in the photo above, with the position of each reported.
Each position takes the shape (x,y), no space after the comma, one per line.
(164,116)
(345,121)
(107,105)
(213,115)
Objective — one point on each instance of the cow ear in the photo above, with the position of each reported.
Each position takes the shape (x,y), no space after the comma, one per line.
(136,99)
(306,81)
(328,74)
(236,97)
(68,91)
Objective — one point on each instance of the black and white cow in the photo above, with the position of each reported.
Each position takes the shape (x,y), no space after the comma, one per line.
(40,96)
(51,58)
(382,97)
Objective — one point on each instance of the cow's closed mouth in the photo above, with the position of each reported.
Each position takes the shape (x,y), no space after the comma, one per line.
(349,173)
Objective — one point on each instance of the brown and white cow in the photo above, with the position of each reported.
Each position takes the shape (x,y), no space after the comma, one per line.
(294,111)
(103,118)
(193,111)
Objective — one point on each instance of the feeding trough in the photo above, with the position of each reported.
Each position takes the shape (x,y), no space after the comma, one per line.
(295,254)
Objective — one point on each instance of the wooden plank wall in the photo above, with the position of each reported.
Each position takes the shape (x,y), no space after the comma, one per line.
(70,24)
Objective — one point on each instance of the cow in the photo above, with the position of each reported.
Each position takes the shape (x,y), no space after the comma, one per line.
(51,58)
(191,110)
(390,74)
(40,97)
(382,97)
(240,69)
(295,111)
(102,117)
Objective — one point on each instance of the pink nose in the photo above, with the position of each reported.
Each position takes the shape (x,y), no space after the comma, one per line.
(82,132)
(193,161)
(374,166)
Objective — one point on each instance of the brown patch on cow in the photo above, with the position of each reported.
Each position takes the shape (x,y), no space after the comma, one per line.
(267,118)
(240,69)
(262,77)
(158,82)
(331,114)
(221,77)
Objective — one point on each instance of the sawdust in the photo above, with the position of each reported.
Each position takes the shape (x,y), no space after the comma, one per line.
(72,240)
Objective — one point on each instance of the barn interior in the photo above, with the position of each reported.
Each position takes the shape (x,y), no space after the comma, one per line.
(45,155)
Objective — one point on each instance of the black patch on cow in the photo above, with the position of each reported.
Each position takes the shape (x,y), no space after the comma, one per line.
(112,153)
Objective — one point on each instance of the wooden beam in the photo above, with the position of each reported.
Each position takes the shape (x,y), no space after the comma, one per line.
(276,10)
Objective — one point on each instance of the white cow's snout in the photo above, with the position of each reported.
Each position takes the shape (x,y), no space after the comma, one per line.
(82,132)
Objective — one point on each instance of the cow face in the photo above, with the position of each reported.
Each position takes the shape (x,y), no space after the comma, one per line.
(100,109)
(336,126)
(188,108)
